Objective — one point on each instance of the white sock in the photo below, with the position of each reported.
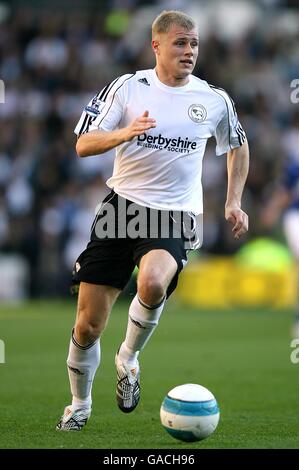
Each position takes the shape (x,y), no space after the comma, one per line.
(82,363)
(142,321)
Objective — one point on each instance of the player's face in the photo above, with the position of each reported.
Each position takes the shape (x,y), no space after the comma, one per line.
(176,53)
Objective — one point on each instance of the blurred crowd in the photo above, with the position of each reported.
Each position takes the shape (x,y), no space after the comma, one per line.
(55,56)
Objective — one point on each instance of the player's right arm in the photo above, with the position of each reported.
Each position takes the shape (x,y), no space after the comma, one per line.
(99,141)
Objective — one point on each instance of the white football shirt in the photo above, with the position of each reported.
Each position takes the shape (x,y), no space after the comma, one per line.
(162,168)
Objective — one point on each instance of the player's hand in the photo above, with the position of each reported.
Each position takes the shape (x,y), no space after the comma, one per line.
(239,220)
(139,126)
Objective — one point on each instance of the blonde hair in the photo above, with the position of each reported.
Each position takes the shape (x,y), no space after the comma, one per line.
(166,19)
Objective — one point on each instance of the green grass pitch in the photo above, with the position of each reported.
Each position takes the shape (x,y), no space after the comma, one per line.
(243,357)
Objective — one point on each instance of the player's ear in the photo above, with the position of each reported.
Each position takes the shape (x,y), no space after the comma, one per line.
(155,45)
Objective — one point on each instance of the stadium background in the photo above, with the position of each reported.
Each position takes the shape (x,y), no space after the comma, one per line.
(53,57)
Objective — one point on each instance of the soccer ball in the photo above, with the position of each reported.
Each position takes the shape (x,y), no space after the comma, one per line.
(189,412)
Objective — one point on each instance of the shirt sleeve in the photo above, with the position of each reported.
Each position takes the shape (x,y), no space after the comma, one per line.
(105,110)
(229,133)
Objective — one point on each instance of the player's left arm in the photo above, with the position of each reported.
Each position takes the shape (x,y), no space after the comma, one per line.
(237,171)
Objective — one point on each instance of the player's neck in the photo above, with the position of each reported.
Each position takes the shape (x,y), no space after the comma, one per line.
(170,80)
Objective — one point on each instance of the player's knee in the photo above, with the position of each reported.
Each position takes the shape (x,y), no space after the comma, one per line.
(86,332)
(151,290)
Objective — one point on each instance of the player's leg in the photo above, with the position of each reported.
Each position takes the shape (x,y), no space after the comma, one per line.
(103,269)
(94,305)
(156,270)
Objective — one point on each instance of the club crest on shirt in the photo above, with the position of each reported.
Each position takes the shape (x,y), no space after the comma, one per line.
(197,112)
